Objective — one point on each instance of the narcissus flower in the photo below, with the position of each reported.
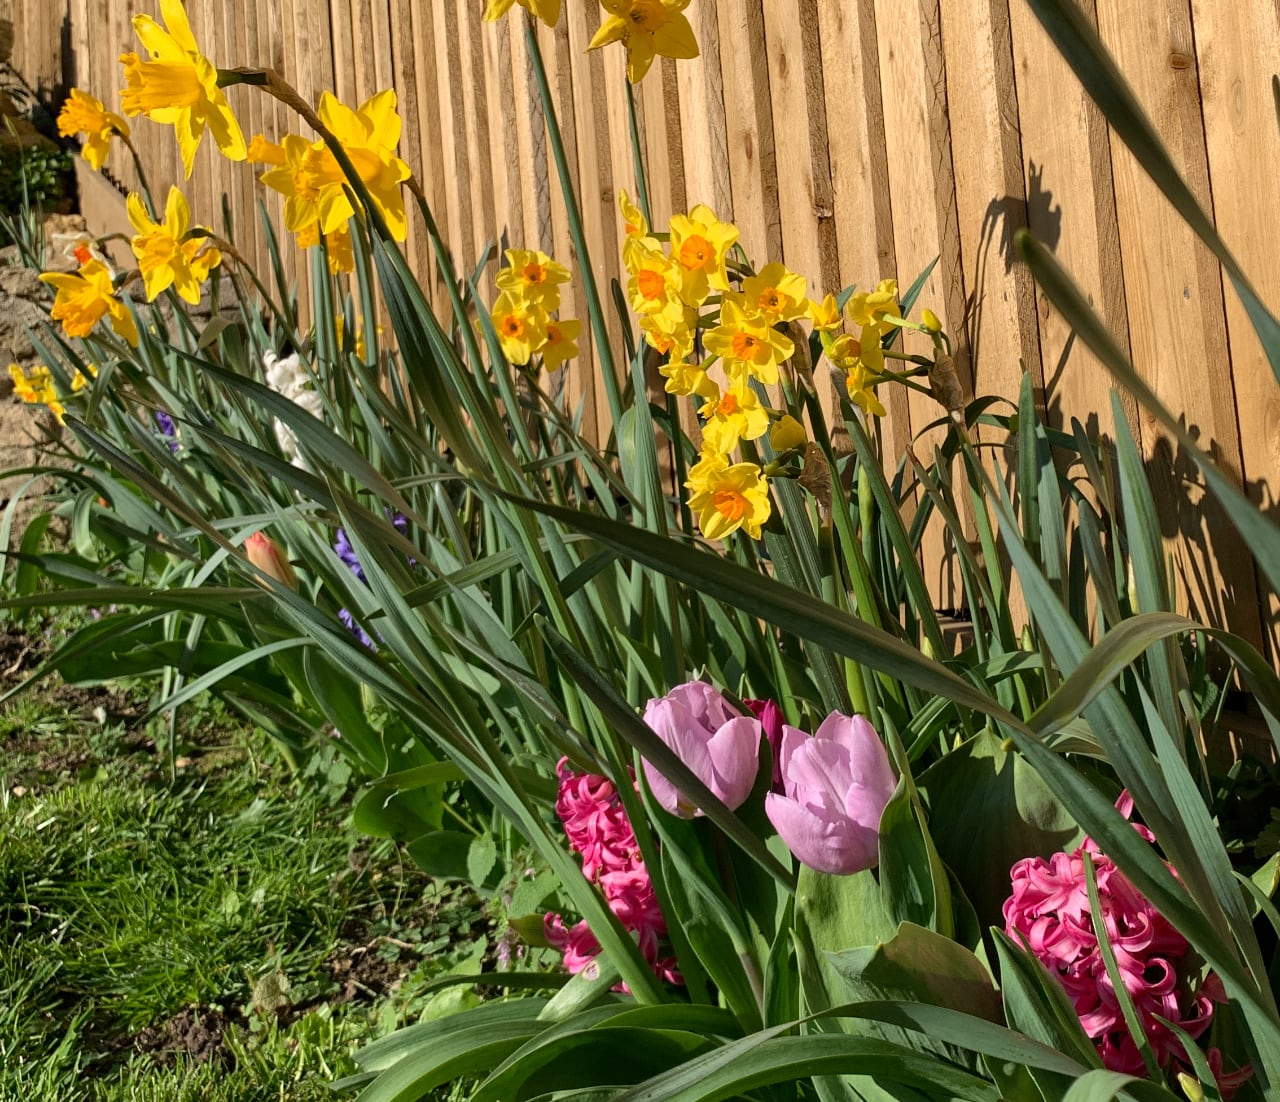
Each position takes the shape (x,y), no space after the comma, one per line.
(788,433)
(868,308)
(654,281)
(85,114)
(179,86)
(699,243)
(35,388)
(165,258)
(732,416)
(647,28)
(824,315)
(83,298)
(546,10)
(862,360)
(747,342)
(369,136)
(683,378)
(521,327)
(836,786)
(561,344)
(728,497)
(670,331)
(776,293)
(533,276)
(718,743)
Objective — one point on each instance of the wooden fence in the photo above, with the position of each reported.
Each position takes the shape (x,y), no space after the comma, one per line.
(852,139)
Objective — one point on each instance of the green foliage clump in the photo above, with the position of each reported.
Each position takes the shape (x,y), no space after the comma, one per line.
(33,176)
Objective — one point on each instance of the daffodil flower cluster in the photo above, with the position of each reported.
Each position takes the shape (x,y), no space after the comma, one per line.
(668,287)
(522,314)
(35,386)
(861,358)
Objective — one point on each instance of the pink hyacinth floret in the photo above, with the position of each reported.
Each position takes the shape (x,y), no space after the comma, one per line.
(1048,912)
(598,829)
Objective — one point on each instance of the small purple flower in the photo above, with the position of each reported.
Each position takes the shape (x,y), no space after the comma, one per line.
(167,429)
(347,553)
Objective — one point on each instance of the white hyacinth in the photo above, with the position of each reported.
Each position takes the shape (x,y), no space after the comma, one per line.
(288,378)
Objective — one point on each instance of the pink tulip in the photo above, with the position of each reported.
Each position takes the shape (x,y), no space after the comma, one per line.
(836,785)
(720,746)
(266,555)
(770,717)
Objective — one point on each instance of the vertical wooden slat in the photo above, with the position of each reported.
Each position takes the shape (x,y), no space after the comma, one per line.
(1177,321)
(752,169)
(474,132)
(453,163)
(924,222)
(1244,170)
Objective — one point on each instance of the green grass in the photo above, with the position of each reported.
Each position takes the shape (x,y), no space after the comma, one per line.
(146,904)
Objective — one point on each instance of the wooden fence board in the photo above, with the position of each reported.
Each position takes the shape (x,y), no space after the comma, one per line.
(1177,322)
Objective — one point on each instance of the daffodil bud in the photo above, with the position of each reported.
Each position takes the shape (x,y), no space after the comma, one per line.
(930,321)
(788,433)
(267,556)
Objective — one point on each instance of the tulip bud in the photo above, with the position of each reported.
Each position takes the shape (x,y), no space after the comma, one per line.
(836,786)
(720,746)
(266,555)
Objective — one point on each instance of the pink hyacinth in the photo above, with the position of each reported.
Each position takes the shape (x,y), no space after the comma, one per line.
(1048,912)
(597,828)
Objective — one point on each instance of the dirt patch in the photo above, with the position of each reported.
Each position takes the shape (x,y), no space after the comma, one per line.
(364,974)
(196,1033)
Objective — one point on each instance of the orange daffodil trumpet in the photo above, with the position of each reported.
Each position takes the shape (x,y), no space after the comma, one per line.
(178,85)
(84,114)
(522,314)
(166,257)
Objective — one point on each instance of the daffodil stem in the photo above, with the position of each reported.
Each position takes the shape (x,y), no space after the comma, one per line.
(642,182)
(142,174)
(595,311)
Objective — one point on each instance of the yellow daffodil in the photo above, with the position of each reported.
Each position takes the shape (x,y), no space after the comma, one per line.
(79,380)
(178,85)
(533,276)
(777,293)
(165,258)
(747,342)
(301,196)
(728,497)
(521,327)
(263,152)
(654,281)
(561,344)
(85,114)
(861,386)
(647,28)
(35,387)
(825,315)
(84,297)
(369,136)
(869,307)
(546,10)
(788,433)
(634,223)
(338,250)
(699,242)
(862,353)
(732,416)
(683,378)
(670,331)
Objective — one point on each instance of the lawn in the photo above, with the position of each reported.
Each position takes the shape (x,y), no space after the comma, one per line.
(205,924)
